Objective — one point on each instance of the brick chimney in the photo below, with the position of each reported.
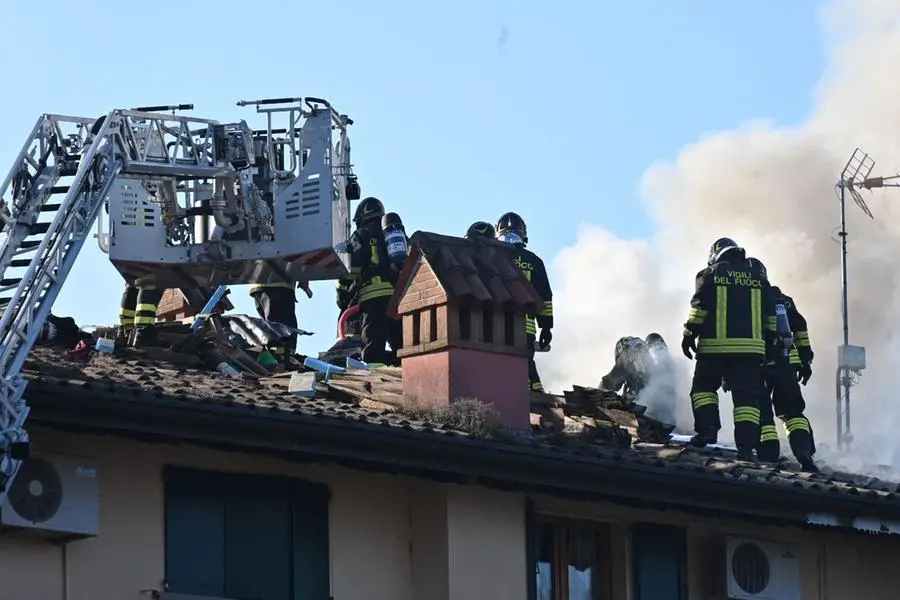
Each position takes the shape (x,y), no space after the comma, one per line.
(173,306)
(462,304)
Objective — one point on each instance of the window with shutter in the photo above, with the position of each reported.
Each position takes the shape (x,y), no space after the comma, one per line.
(245,537)
(659,554)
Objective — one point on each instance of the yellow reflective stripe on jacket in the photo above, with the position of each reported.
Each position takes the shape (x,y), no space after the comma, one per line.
(530,326)
(256,287)
(375,288)
(721,312)
(756,325)
(547,311)
(801,338)
(731,346)
(721,343)
(794,357)
(697,316)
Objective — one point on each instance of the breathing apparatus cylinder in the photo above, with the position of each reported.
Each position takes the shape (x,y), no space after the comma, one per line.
(783,328)
(395,239)
(659,351)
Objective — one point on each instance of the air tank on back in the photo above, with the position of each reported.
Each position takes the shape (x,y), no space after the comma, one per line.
(395,239)
(783,328)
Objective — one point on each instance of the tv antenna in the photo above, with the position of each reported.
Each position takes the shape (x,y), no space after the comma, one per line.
(852,359)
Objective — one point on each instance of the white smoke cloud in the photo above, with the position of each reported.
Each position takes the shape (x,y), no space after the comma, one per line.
(773,190)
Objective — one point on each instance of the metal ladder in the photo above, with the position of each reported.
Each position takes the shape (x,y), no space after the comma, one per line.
(36,257)
(48,155)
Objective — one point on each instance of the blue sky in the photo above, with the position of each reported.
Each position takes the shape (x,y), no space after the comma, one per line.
(463,110)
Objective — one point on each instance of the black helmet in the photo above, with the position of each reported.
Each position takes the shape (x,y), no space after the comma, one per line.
(370,209)
(720,247)
(755,263)
(512,223)
(480,229)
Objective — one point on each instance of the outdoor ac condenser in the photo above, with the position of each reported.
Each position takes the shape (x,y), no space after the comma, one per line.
(56,496)
(762,570)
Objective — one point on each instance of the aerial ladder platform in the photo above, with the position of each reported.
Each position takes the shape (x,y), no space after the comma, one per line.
(189,203)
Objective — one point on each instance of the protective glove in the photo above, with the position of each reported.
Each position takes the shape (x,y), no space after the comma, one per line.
(806,354)
(688,344)
(304,285)
(546,337)
(804,373)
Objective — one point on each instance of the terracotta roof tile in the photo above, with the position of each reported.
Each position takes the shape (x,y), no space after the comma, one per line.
(480,270)
(586,422)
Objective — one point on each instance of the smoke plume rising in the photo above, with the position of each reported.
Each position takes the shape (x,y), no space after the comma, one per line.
(773,190)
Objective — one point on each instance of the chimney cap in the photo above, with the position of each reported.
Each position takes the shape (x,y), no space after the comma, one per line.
(480,270)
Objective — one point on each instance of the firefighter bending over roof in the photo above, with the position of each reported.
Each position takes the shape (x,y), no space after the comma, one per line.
(371,269)
(511,229)
(787,365)
(733,316)
(638,363)
(481,229)
(137,315)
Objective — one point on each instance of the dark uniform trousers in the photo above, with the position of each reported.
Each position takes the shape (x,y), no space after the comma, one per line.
(534,270)
(138,307)
(278,304)
(371,270)
(534,379)
(743,372)
(378,329)
(782,397)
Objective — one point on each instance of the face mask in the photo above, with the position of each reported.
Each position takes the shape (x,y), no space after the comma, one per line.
(510,237)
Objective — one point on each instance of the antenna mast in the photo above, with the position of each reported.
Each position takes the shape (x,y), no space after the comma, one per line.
(851,359)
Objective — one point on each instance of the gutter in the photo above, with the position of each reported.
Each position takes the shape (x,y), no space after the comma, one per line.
(391,448)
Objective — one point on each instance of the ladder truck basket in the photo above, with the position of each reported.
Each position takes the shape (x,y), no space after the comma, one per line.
(191,202)
(271,204)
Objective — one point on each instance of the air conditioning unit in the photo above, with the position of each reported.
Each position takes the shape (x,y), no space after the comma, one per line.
(760,570)
(55,496)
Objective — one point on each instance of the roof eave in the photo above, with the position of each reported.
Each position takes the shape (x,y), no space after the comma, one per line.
(390,448)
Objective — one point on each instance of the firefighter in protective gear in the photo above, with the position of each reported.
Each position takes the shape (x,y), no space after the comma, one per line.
(481,229)
(511,230)
(642,364)
(730,323)
(276,302)
(785,368)
(137,315)
(632,368)
(371,270)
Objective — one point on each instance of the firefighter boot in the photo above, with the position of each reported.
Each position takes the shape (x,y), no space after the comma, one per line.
(703,439)
(123,336)
(144,335)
